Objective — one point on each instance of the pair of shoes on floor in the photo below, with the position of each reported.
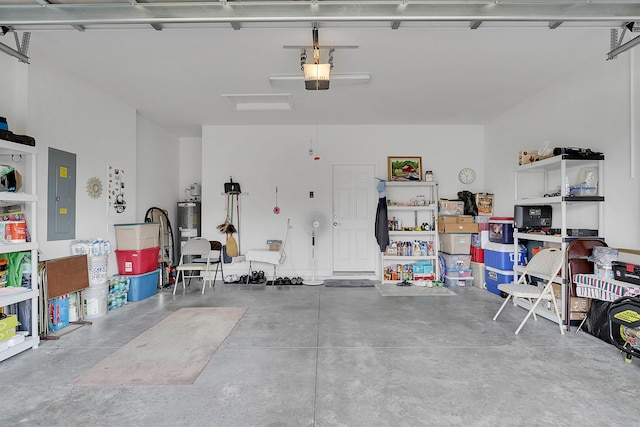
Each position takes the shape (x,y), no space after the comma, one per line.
(233,278)
(424,283)
(403,283)
(284,281)
(256,277)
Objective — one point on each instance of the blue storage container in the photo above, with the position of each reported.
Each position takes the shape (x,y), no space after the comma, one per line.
(501,256)
(142,286)
(494,277)
(59,312)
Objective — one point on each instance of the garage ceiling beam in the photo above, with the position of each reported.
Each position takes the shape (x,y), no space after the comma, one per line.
(121,12)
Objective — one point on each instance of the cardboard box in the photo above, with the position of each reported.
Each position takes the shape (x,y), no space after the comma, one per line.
(8,326)
(450,207)
(576,304)
(457,224)
(575,315)
(631,256)
(11,181)
(457,228)
(526,157)
(484,202)
(465,219)
(579,304)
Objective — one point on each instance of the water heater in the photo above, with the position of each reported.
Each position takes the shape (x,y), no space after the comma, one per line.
(189,224)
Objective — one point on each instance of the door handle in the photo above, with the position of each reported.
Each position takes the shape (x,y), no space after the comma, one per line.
(335,224)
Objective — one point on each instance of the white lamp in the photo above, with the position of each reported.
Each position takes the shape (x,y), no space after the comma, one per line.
(316,76)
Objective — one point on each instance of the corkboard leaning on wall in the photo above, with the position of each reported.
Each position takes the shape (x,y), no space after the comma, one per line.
(66,275)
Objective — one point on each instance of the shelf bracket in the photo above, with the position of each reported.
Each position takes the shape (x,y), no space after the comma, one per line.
(21,52)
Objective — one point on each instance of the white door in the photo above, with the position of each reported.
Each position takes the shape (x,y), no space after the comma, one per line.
(354,205)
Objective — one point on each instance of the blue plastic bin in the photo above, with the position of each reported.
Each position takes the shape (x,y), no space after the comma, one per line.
(142,286)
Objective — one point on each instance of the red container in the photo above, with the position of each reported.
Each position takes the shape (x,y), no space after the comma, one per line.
(137,262)
(477,254)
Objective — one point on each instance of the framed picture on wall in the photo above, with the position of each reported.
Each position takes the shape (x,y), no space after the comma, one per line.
(404,168)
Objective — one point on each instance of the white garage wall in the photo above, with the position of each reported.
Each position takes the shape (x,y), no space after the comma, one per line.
(591,109)
(156,169)
(190,165)
(67,114)
(13,93)
(263,157)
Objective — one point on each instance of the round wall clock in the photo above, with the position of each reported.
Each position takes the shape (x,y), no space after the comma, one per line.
(467,175)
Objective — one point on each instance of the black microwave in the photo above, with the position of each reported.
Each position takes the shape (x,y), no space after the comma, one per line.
(532,217)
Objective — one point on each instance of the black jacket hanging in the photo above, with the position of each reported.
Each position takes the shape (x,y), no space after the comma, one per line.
(382,219)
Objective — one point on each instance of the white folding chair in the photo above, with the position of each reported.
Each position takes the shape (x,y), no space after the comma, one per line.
(214,259)
(545,265)
(199,248)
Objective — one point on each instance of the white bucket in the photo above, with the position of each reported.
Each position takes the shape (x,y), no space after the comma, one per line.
(94,301)
(97,270)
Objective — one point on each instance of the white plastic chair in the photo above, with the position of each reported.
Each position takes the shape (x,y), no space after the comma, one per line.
(200,248)
(544,265)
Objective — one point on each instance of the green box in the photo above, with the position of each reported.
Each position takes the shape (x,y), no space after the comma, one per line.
(8,327)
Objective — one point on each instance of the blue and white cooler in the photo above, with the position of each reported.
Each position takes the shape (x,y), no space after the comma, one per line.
(499,261)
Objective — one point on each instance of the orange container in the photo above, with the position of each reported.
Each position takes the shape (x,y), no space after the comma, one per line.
(15,231)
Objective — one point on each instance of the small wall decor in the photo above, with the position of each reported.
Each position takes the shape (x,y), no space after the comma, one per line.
(404,168)
(94,187)
(116,196)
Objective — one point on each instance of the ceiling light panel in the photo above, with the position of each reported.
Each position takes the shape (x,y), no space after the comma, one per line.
(260,102)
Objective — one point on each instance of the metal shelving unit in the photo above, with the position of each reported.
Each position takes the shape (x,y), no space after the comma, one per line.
(540,176)
(413,216)
(22,155)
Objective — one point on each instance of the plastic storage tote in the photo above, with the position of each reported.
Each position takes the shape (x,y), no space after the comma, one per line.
(137,262)
(133,237)
(142,286)
(458,281)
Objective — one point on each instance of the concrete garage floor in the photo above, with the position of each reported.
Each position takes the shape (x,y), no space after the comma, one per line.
(315,356)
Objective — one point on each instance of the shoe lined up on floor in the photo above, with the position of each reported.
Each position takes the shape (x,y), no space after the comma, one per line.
(282,281)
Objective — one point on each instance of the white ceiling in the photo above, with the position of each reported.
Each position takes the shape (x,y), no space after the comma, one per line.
(433,73)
